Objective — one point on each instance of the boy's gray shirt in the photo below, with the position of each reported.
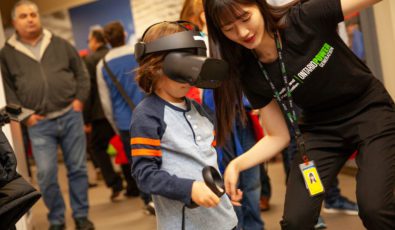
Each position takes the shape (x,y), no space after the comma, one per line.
(167,170)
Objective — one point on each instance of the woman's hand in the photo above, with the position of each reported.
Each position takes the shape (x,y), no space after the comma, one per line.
(235,200)
(231,177)
(203,196)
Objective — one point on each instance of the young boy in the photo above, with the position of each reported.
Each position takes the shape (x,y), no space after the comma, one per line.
(172,139)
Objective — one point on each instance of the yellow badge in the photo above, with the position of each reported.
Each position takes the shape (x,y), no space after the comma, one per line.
(311,178)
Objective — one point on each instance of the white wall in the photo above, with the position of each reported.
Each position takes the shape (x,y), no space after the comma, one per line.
(148,12)
(385,24)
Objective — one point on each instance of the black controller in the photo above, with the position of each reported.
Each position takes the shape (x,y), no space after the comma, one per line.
(213,180)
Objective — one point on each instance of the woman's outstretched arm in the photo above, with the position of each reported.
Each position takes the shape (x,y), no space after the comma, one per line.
(275,140)
(351,6)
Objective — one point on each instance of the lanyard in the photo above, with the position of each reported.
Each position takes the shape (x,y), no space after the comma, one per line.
(289,109)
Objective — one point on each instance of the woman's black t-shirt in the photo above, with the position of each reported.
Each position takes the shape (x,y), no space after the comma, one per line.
(327,80)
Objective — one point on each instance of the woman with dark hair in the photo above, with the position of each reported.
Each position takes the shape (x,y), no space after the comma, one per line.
(279,56)
(242,138)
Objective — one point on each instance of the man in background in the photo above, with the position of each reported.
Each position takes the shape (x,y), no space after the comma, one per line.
(95,121)
(44,73)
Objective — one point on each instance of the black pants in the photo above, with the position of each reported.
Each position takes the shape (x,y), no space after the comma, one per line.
(102,132)
(372,132)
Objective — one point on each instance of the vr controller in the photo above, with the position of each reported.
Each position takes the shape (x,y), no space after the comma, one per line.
(213,180)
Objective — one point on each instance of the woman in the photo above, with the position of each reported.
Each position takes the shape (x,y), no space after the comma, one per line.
(243,138)
(344,106)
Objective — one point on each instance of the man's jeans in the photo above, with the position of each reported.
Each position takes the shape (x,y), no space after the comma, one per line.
(46,135)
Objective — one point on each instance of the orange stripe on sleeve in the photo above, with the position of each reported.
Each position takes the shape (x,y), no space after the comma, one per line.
(146,152)
(144,141)
(214,143)
(215,140)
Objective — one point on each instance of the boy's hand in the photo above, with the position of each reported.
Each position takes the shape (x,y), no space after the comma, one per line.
(203,196)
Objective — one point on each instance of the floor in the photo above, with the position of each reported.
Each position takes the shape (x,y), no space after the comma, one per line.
(127,213)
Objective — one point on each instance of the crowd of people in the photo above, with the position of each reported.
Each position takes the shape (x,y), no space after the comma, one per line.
(278,56)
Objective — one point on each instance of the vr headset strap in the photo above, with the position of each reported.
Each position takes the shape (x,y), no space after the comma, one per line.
(118,85)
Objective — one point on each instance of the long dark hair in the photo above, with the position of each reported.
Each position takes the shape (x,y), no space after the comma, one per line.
(218,11)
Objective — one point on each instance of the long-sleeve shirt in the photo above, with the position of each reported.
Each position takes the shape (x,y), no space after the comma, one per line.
(170,147)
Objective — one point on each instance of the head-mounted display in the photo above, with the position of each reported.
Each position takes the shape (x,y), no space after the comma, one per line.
(186,61)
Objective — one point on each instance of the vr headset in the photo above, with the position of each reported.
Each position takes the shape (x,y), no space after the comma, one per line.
(187,60)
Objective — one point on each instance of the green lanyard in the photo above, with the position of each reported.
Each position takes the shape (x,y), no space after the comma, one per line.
(289,109)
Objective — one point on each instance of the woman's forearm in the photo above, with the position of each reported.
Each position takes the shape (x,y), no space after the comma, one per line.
(264,150)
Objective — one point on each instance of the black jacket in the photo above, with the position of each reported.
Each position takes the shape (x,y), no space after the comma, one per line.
(17,196)
(93,109)
(48,84)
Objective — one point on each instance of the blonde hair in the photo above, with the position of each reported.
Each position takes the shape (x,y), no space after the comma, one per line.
(150,69)
(191,11)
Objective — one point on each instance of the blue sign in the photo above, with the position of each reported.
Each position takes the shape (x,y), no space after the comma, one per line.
(99,13)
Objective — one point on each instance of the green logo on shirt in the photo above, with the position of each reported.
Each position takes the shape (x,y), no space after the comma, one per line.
(323,56)
(319,60)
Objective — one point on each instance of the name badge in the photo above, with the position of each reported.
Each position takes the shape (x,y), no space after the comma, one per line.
(311,178)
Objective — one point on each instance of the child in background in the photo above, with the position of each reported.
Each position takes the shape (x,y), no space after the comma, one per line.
(172,139)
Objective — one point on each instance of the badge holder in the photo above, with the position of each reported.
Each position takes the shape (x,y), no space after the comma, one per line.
(311,178)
